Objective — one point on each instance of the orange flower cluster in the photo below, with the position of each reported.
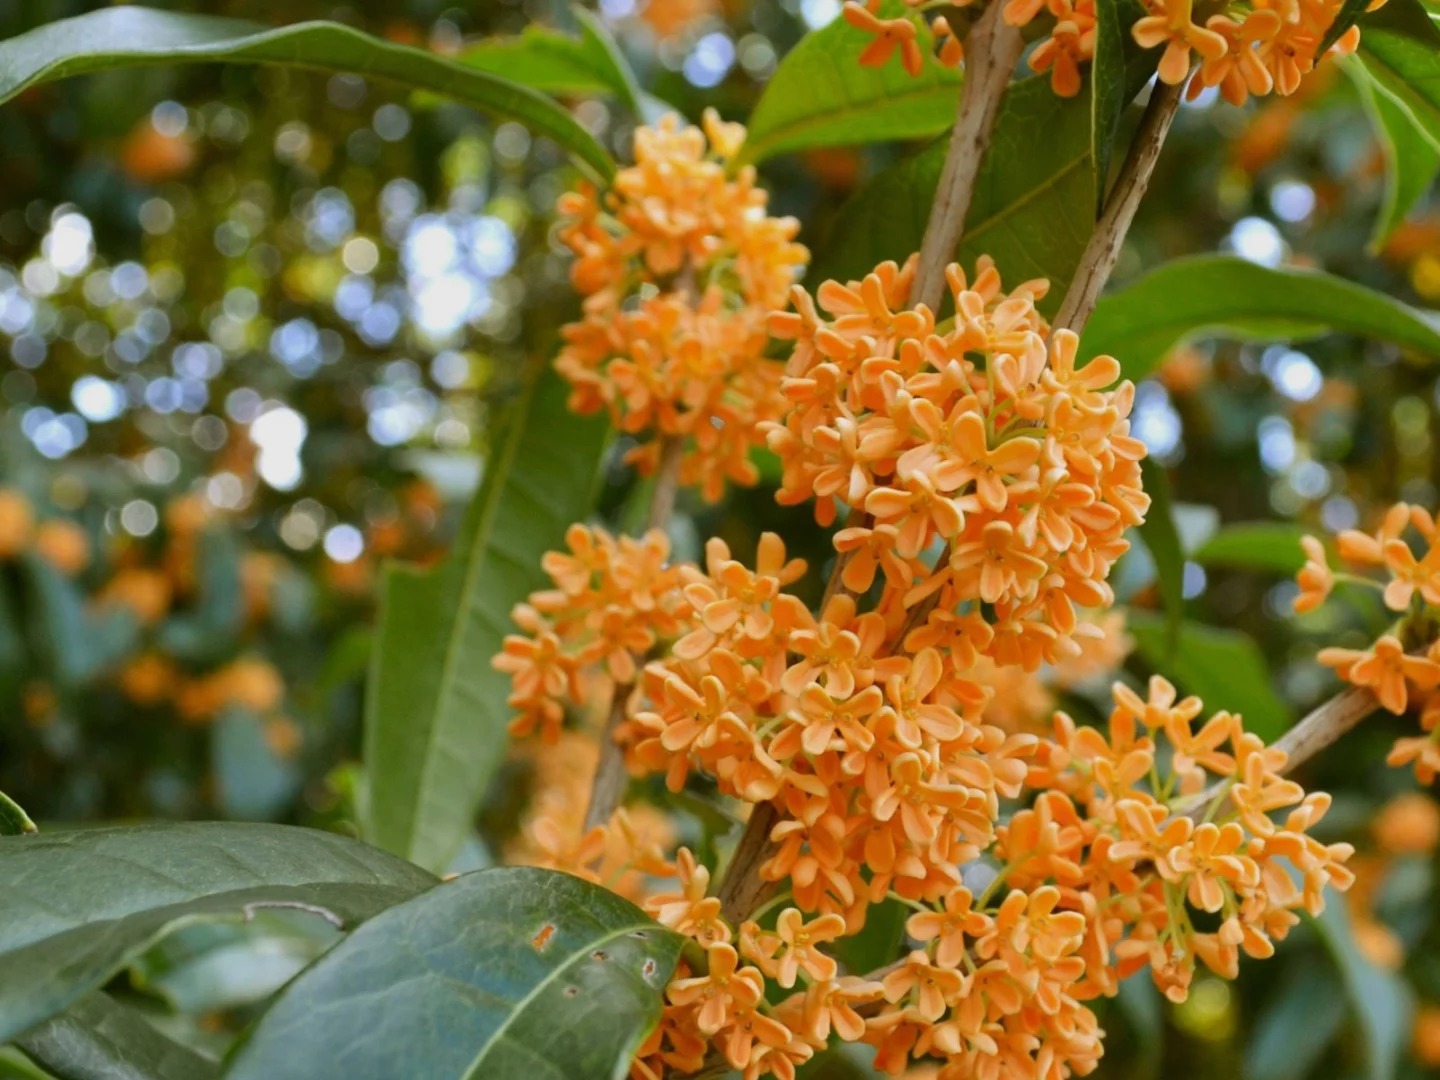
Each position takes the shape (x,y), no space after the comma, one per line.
(1410,587)
(1270,46)
(990,438)
(679,264)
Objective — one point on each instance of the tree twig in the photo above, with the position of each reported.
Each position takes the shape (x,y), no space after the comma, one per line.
(1120,205)
(1306,739)
(992,49)
(610,773)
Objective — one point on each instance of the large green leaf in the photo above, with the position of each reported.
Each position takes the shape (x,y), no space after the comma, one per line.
(1224,667)
(132,36)
(1221,296)
(1272,546)
(100,1039)
(13,820)
(1033,208)
(1119,68)
(435,712)
(1379,999)
(1162,539)
(556,63)
(498,975)
(80,905)
(1400,45)
(1412,154)
(821,96)
(1299,1020)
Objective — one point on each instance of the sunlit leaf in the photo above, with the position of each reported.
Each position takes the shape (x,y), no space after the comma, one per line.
(1272,546)
(80,905)
(133,36)
(1224,667)
(821,96)
(1412,153)
(1221,296)
(435,711)
(1400,46)
(510,974)
(13,820)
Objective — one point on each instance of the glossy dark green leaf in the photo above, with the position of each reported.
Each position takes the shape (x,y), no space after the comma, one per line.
(13,820)
(1272,546)
(1221,296)
(80,905)
(1224,667)
(132,36)
(1033,209)
(1400,46)
(511,974)
(1412,153)
(1300,1018)
(1162,539)
(435,711)
(1119,68)
(821,96)
(99,1039)
(1380,1000)
(554,62)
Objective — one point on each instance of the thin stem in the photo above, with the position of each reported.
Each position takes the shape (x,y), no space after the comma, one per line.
(611,775)
(1120,205)
(741,891)
(992,50)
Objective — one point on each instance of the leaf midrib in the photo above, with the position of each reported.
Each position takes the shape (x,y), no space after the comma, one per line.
(554,974)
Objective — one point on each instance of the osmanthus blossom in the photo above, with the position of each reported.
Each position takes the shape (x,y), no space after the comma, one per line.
(679,264)
(1257,47)
(1399,673)
(986,478)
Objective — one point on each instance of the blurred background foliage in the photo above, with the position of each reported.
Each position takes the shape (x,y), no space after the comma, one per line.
(256,324)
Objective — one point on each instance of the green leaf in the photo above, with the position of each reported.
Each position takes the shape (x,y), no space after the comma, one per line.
(132,36)
(1224,667)
(498,975)
(1380,1000)
(253,782)
(552,62)
(1272,546)
(13,820)
(1412,155)
(1221,296)
(75,643)
(435,711)
(1162,539)
(100,1039)
(79,906)
(1400,46)
(1120,67)
(1033,208)
(1299,1020)
(878,942)
(821,96)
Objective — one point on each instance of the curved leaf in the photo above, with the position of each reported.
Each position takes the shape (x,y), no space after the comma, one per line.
(497,975)
(1119,69)
(1400,45)
(1033,208)
(1380,999)
(100,1039)
(13,820)
(1221,296)
(1300,1019)
(553,62)
(1255,545)
(1162,539)
(80,905)
(435,711)
(1224,667)
(821,96)
(1412,154)
(133,36)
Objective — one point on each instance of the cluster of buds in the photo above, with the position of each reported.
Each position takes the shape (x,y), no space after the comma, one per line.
(1264,47)
(988,438)
(1410,587)
(679,263)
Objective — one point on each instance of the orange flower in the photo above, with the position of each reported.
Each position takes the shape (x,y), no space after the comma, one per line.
(890,34)
(1384,668)
(1315,579)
